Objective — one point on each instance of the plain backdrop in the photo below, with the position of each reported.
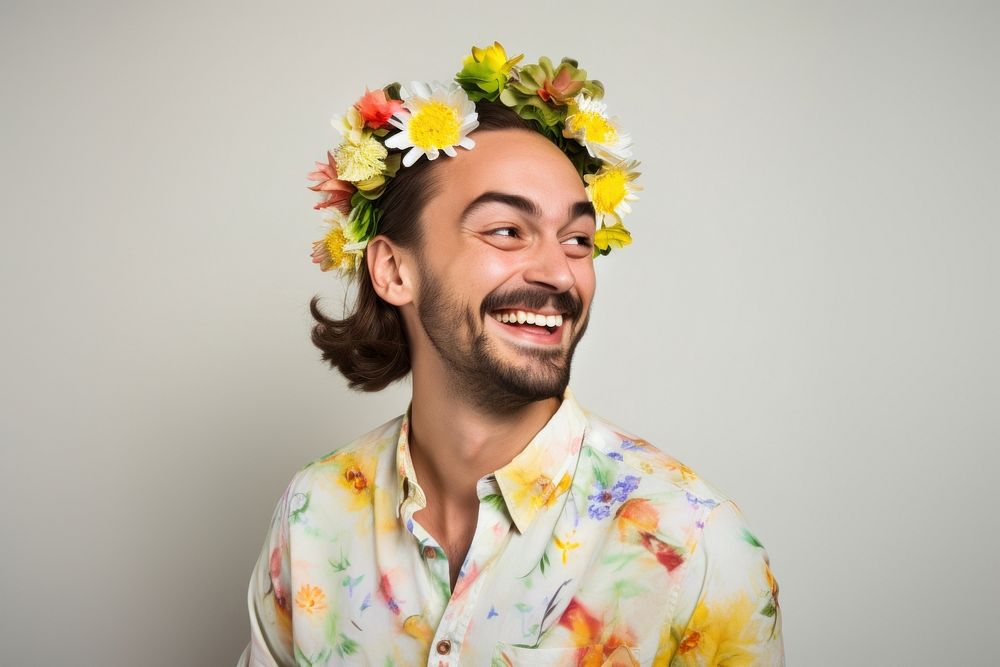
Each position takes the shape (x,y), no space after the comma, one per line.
(808,316)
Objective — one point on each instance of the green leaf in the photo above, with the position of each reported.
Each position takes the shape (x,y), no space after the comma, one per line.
(340,565)
(749,537)
(496,501)
(392,91)
(363,218)
(347,646)
(302,502)
(600,472)
(621,559)
(628,589)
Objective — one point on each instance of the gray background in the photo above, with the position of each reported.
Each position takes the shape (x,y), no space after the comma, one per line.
(808,316)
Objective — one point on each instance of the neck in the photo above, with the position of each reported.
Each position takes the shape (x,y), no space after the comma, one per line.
(454,442)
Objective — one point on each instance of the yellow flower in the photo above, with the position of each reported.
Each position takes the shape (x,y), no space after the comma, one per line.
(725,634)
(565,545)
(311,599)
(361,160)
(437,118)
(353,474)
(587,121)
(612,188)
(494,57)
(538,490)
(686,473)
(606,238)
(337,249)
(418,628)
(373,187)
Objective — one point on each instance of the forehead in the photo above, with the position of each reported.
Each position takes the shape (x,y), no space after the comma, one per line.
(514,161)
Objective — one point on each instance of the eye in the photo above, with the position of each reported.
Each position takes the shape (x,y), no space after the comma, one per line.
(581,239)
(509,232)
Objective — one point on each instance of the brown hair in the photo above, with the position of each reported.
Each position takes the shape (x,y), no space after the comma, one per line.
(369,344)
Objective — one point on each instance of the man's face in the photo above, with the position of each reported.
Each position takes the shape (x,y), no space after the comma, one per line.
(508,237)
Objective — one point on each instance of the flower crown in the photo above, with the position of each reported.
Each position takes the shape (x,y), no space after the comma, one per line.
(392,127)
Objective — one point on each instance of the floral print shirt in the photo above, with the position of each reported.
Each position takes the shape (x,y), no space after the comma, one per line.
(592,547)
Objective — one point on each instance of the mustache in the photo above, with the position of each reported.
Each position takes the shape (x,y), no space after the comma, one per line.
(532,299)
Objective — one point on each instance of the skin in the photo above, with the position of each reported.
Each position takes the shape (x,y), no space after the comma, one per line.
(498,384)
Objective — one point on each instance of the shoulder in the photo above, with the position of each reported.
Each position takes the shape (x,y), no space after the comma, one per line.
(655,497)
(352,465)
(658,471)
(682,520)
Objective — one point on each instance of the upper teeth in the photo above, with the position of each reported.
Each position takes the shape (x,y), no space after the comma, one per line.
(524,317)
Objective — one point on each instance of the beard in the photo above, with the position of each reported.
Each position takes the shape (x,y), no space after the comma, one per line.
(479,372)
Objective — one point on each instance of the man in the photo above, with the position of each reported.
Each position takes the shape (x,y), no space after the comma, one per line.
(497,521)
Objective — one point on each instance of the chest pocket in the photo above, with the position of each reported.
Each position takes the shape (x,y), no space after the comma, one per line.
(509,655)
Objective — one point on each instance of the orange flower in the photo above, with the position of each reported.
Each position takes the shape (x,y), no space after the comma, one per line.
(311,599)
(356,478)
(353,474)
(338,193)
(690,642)
(634,516)
(376,108)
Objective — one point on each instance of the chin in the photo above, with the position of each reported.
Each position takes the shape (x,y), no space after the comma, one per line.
(544,377)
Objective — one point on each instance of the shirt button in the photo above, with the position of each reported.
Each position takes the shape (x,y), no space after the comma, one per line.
(444,647)
(430,552)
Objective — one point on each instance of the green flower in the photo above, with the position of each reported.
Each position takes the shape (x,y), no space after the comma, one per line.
(485,72)
(542,92)
(362,222)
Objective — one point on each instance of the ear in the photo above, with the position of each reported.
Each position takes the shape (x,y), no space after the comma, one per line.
(389,268)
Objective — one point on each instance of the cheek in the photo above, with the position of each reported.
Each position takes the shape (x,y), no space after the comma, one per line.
(470,277)
(481,272)
(586,282)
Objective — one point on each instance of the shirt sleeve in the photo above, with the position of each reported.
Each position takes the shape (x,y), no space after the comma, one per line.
(729,611)
(268,598)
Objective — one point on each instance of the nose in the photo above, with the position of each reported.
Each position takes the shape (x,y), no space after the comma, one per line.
(549,267)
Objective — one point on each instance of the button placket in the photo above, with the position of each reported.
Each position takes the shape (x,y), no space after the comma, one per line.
(486,545)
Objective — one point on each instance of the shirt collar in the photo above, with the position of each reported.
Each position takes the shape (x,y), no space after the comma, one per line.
(532,481)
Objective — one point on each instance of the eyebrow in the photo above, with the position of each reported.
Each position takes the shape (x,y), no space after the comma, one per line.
(523,204)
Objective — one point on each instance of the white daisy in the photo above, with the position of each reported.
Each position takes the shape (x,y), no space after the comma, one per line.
(588,123)
(435,118)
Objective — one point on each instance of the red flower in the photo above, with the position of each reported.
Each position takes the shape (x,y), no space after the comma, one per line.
(667,555)
(274,566)
(338,192)
(376,108)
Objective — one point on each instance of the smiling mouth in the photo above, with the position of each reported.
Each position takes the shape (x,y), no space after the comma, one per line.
(529,321)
